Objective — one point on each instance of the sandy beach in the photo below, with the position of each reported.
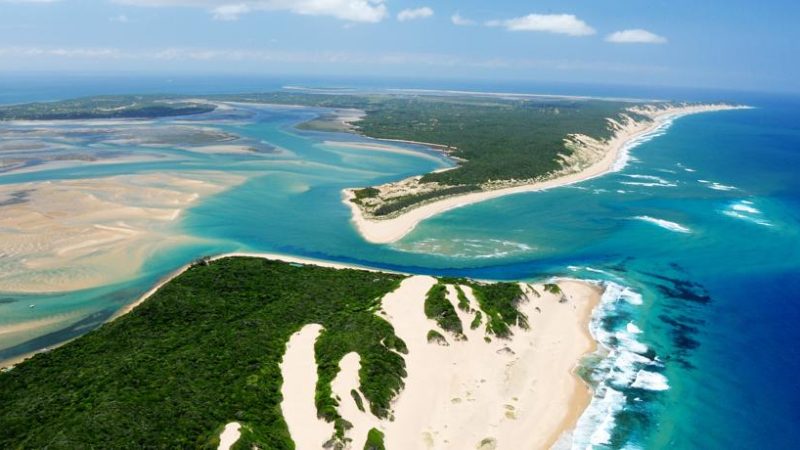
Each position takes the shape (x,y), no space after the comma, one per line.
(593,158)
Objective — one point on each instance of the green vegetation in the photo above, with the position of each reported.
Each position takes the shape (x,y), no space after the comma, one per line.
(439,308)
(476,321)
(434,337)
(407,200)
(500,139)
(367,192)
(357,398)
(374,440)
(463,301)
(499,302)
(203,351)
(105,107)
(552,288)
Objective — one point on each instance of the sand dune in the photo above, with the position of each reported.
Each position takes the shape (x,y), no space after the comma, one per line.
(229,436)
(503,394)
(299,371)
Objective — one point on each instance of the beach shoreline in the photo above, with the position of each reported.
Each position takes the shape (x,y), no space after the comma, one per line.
(614,153)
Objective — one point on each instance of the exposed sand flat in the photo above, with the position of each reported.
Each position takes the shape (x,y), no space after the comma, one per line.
(229,436)
(299,372)
(13,332)
(381,148)
(596,158)
(224,149)
(74,234)
(506,394)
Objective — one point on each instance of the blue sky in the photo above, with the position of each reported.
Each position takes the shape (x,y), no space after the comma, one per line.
(739,44)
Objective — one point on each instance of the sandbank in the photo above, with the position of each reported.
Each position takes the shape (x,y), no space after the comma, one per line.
(74,234)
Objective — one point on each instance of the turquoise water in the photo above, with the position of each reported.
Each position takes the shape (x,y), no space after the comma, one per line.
(697,238)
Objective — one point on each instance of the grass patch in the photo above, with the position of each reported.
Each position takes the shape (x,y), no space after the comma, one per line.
(439,308)
(552,288)
(463,301)
(499,303)
(357,398)
(434,337)
(374,440)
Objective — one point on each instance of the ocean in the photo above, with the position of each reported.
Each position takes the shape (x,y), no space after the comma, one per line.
(697,239)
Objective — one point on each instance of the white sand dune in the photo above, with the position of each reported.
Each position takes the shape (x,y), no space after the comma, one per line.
(299,372)
(504,394)
(346,381)
(229,436)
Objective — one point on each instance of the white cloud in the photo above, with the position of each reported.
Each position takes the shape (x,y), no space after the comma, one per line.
(551,23)
(350,10)
(122,18)
(635,36)
(230,12)
(413,14)
(459,20)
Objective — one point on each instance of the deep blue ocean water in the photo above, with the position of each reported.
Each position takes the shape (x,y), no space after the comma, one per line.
(698,238)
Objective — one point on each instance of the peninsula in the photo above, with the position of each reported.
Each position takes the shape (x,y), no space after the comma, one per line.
(388,212)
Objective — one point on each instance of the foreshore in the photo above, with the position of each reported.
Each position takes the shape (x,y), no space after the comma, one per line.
(614,150)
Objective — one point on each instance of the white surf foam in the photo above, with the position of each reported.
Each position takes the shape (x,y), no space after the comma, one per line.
(666,224)
(623,365)
(745,210)
(717,186)
(625,156)
(651,381)
(648,181)
(721,187)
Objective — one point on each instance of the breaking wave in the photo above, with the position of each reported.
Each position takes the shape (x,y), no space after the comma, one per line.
(622,364)
(666,224)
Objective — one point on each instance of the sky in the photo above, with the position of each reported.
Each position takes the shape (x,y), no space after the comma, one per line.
(727,44)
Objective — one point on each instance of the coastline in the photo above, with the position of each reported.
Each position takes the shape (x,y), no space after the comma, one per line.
(614,151)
